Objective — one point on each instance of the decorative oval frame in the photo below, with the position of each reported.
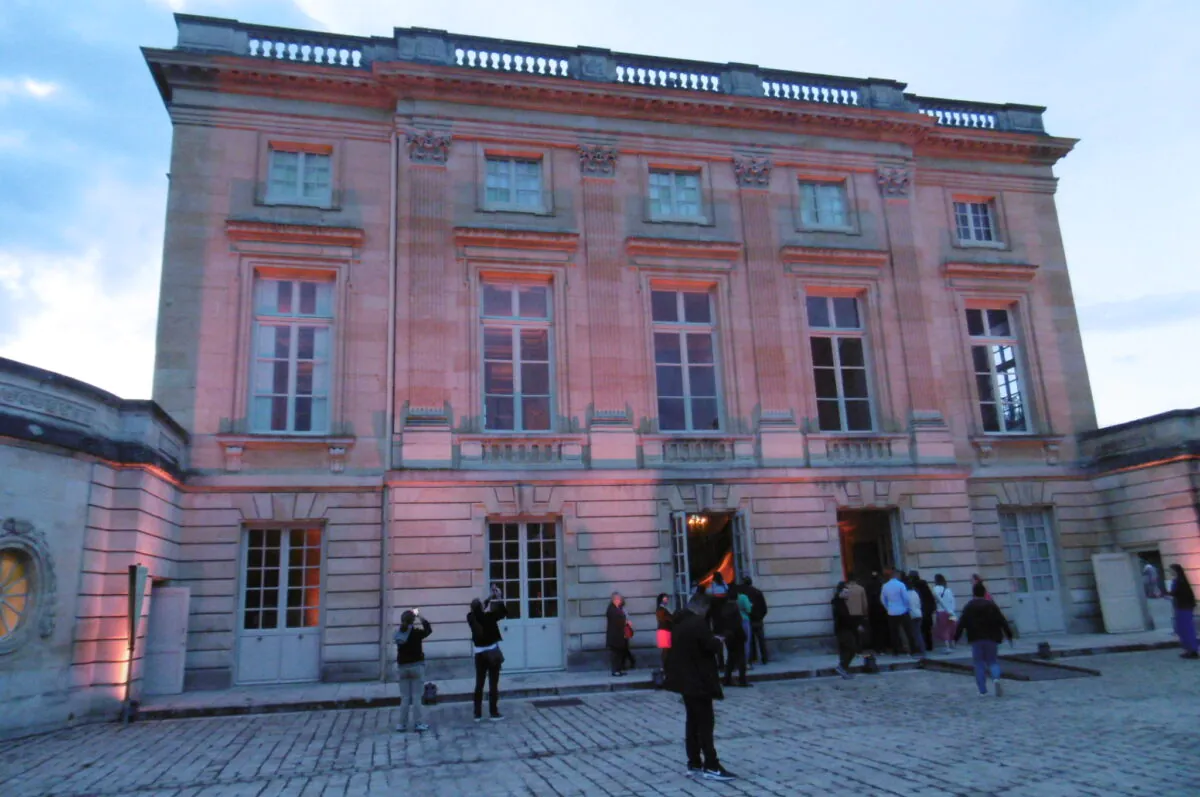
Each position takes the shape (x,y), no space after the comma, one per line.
(20,535)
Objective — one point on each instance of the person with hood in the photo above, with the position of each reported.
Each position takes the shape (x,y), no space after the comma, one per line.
(733,631)
(1184,601)
(758,616)
(618,631)
(484,620)
(410,668)
(985,627)
(928,608)
(693,675)
(662,619)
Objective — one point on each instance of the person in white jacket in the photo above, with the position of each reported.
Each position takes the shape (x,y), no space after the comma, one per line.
(914,618)
(946,615)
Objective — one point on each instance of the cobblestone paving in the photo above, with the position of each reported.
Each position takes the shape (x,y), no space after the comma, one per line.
(1134,731)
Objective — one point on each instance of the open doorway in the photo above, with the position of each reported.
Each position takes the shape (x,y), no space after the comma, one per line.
(868,544)
(704,544)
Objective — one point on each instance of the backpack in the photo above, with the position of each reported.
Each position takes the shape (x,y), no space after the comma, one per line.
(429,696)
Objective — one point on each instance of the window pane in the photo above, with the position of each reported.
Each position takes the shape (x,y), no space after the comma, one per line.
(983,383)
(663,306)
(670,414)
(702,380)
(818,311)
(303,419)
(535,413)
(696,309)
(975,322)
(700,348)
(858,416)
(828,417)
(279,377)
(669,379)
(497,343)
(979,358)
(854,383)
(497,301)
(304,379)
(845,312)
(535,345)
(998,323)
(822,352)
(498,412)
(308,298)
(279,413)
(305,347)
(498,378)
(850,351)
(704,414)
(666,347)
(825,382)
(534,302)
(535,379)
(991,420)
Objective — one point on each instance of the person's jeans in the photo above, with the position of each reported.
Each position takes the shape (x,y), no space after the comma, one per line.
(758,643)
(983,655)
(847,641)
(735,659)
(915,636)
(746,631)
(898,626)
(486,670)
(698,734)
(412,677)
(1185,629)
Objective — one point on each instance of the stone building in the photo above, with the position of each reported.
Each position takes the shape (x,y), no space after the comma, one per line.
(440,311)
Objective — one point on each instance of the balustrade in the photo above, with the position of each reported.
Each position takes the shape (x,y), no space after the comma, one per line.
(962,117)
(663,74)
(307,48)
(511,57)
(810,88)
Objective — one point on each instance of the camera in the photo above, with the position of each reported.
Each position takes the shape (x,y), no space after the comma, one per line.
(416,612)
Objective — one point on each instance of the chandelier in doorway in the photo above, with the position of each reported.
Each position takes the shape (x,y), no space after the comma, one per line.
(696,522)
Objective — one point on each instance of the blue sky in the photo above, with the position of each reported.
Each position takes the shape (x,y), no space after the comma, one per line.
(84,145)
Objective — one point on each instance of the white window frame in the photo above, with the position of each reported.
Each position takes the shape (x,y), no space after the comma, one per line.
(835,334)
(672,211)
(510,163)
(1019,521)
(972,209)
(295,194)
(284,569)
(681,329)
(990,342)
(515,323)
(810,204)
(293,321)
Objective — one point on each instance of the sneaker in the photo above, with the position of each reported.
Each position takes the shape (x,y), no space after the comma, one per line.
(495,717)
(842,671)
(421,727)
(983,694)
(720,774)
(478,718)
(695,772)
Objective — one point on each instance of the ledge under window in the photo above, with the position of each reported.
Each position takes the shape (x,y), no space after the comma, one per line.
(993,448)
(234,446)
(697,448)
(521,450)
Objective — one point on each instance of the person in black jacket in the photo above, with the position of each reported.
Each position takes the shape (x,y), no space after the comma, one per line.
(758,616)
(928,607)
(731,630)
(985,627)
(692,673)
(410,668)
(618,630)
(845,629)
(1183,599)
(484,620)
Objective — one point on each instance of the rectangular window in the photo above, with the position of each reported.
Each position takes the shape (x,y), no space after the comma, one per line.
(1002,405)
(1027,549)
(304,178)
(975,221)
(517,355)
(685,361)
(292,330)
(837,340)
(282,587)
(513,183)
(823,205)
(674,194)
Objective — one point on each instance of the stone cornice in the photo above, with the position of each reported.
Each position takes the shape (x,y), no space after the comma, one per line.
(310,235)
(725,251)
(825,256)
(527,240)
(1007,272)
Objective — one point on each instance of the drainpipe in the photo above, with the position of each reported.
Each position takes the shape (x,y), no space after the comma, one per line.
(389,414)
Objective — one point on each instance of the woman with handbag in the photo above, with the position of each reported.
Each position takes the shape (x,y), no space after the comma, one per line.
(944,618)
(662,617)
(618,632)
(484,620)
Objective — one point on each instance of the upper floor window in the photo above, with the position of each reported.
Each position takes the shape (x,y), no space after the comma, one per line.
(685,360)
(838,345)
(300,176)
(994,357)
(517,357)
(675,194)
(293,322)
(975,221)
(513,184)
(823,205)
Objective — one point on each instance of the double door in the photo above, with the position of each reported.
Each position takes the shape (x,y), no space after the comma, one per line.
(1037,601)
(279,629)
(523,560)
(681,561)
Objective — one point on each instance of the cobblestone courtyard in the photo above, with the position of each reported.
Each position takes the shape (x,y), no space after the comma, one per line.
(1134,731)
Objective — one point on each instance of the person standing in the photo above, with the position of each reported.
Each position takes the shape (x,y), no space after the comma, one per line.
(718,592)
(985,627)
(410,668)
(733,632)
(914,618)
(484,621)
(928,609)
(943,623)
(662,618)
(1184,601)
(692,674)
(746,608)
(977,581)
(618,632)
(845,629)
(758,617)
(877,614)
(894,597)
(859,607)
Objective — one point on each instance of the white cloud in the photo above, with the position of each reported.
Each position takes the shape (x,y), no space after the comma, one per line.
(27,87)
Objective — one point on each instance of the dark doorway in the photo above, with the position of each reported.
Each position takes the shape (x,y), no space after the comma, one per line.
(710,547)
(867,542)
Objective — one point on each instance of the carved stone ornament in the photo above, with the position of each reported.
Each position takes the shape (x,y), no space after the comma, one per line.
(893,181)
(41,591)
(428,147)
(752,172)
(597,160)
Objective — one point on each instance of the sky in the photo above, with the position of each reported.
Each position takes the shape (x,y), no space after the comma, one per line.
(85,142)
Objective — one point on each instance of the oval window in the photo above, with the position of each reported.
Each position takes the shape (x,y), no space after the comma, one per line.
(14,590)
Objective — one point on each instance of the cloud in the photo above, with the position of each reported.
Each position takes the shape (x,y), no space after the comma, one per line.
(1143,312)
(23,87)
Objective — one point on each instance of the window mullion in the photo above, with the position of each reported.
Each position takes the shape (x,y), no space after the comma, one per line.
(518,416)
(834,341)
(686,378)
